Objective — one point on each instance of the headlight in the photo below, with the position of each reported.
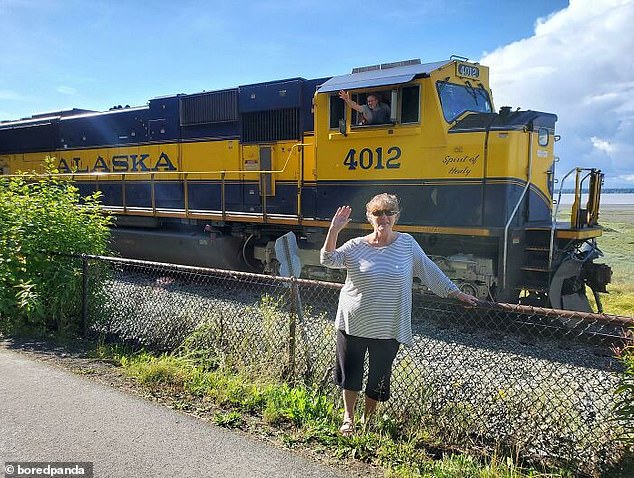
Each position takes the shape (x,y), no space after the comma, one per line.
(542,136)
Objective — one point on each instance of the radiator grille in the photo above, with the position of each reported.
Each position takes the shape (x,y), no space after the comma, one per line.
(263,126)
(212,107)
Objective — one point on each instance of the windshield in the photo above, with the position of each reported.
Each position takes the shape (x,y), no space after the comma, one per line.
(456,99)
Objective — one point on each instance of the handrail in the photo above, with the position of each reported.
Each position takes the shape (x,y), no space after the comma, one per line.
(577,222)
(553,220)
(186,194)
(578,194)
(517,206)
(98,174)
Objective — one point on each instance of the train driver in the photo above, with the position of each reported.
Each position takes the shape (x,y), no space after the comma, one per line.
(375,112)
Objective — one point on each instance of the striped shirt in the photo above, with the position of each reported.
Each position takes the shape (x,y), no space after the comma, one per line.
(376,298)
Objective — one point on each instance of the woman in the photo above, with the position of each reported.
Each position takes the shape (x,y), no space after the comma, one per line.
(375,303)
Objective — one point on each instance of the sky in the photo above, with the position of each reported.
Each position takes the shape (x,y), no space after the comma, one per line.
(574,59)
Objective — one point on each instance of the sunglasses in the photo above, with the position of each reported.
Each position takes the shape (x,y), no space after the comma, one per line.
(384,212)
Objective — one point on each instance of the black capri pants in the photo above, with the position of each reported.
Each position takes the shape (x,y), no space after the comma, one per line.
(348,373)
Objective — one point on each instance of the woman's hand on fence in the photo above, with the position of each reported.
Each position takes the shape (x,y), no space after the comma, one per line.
(465,298)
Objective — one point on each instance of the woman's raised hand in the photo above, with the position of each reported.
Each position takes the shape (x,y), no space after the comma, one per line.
(341,218)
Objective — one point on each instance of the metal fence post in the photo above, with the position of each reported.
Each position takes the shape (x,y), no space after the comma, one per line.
(292,328)
(84,298)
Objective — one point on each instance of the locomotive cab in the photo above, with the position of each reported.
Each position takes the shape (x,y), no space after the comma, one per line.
(476,187)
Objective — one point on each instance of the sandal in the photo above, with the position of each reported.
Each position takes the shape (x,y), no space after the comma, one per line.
(347,428)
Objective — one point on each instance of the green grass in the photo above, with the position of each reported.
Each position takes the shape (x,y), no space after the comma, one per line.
(307,418)
(617,244)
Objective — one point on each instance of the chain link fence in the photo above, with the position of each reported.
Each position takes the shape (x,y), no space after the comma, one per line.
(538,381)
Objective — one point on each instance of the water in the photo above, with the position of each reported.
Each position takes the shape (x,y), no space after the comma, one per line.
(606,198)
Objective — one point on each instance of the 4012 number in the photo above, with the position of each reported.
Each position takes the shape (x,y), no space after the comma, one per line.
(373,158)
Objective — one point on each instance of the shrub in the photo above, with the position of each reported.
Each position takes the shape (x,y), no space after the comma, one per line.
(41,217)
(624,410)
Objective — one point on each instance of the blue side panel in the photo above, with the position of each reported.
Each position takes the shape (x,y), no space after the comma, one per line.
(251,196)
(138,194)
(309,201)
(164,119)
(429,205)
(499,202)
(540,209)
(207,195)
(270,96)
(169,195)
(203,195)
(116,127)
(443,205)
(308,91)
(285,200)
(229,130)
(85,189)
(112,193)
(29,137)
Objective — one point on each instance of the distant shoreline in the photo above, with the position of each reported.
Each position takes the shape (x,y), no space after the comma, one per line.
(607,199)
(608,213)
(616,207)
(603,191)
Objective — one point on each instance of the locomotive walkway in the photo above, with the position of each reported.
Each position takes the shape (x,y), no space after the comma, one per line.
(48,414)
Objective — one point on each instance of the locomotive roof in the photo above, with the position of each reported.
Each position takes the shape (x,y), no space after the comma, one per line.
(42,118)
(380,77)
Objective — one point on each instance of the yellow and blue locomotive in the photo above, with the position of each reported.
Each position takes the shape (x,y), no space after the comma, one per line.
(215,178)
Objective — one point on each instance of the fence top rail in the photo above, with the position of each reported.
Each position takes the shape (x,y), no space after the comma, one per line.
(566,314)
(625,321)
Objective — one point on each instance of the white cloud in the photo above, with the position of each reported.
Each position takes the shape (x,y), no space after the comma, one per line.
(628,177)
(602,145)
(578,65)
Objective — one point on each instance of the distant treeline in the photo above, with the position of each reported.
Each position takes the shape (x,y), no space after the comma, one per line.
(605,191)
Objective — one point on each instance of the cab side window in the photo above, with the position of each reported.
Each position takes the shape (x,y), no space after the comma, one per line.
(410,104)
(337,111)
(407,104)
(380,98)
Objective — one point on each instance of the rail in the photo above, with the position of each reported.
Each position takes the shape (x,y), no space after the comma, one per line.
(185,176)
(592,207)
(516,208)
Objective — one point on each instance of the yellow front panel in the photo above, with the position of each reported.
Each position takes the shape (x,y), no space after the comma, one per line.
(507,155)
(543,157)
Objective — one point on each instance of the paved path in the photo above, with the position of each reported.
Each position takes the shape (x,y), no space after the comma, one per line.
(48,414)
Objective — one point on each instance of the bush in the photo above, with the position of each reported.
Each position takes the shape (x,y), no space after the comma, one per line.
(625,397)
(41,217)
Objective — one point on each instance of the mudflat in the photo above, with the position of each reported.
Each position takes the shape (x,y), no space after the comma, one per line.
(617,213)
